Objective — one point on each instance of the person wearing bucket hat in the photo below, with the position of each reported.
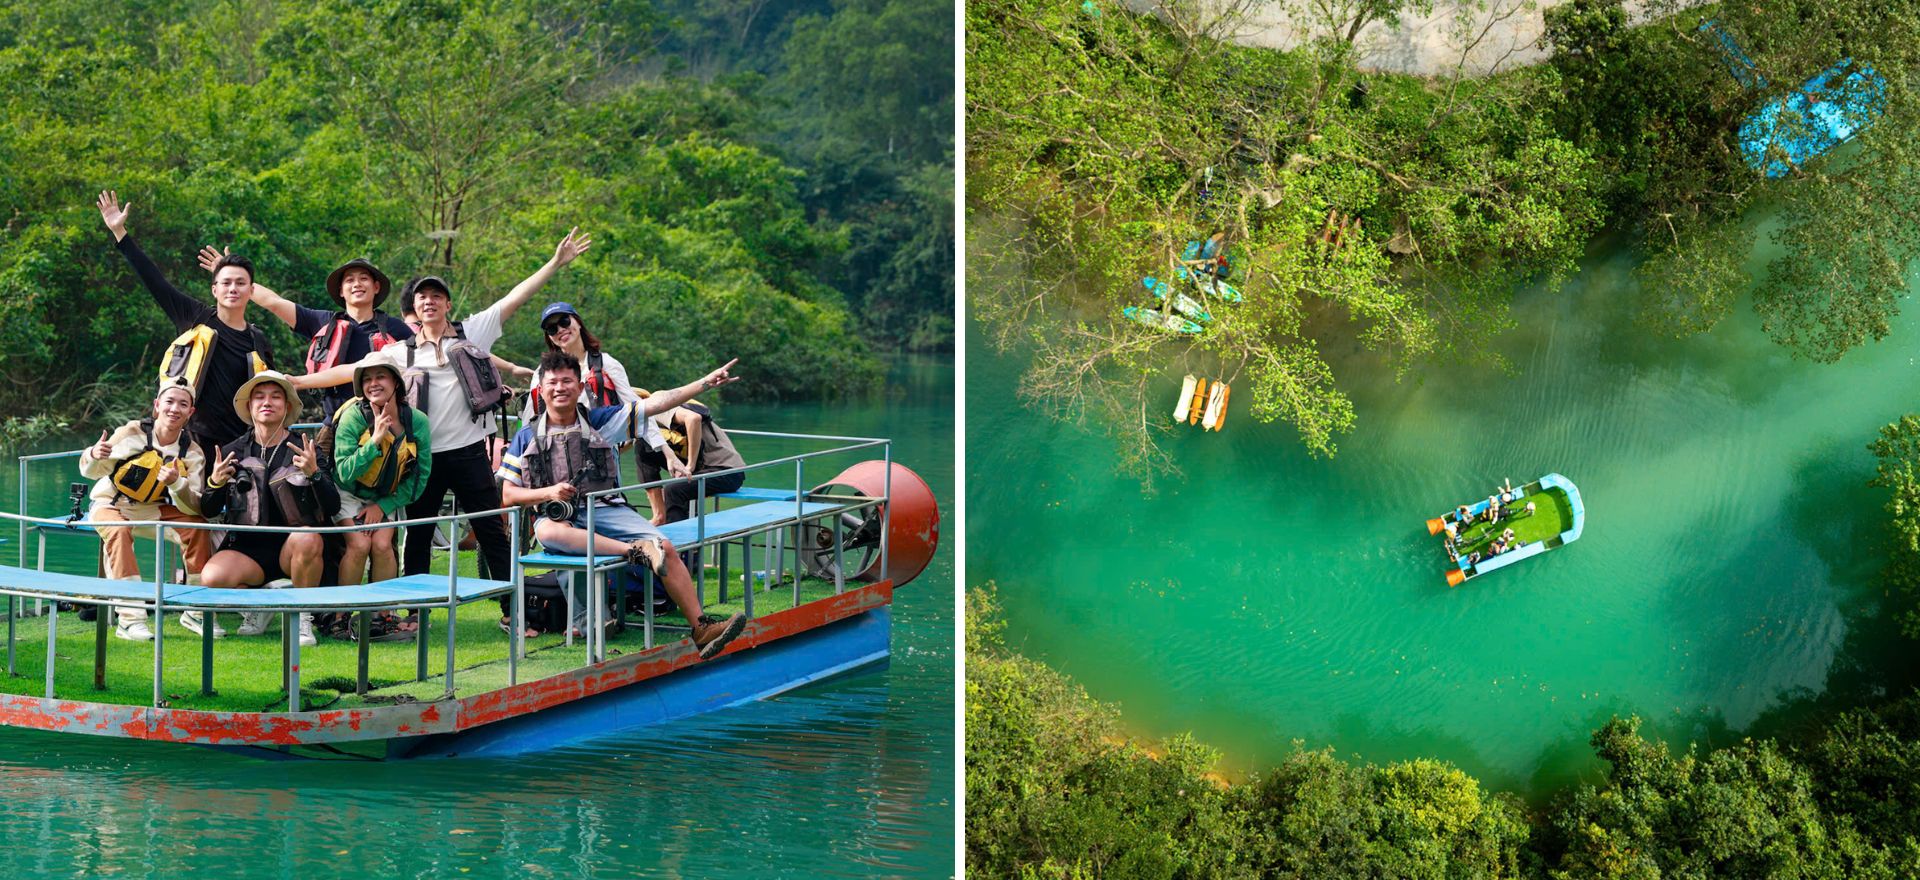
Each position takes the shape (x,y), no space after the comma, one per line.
(267,477)
(217,348)
(437,362)
(148,469)
(379,453)
(343,336)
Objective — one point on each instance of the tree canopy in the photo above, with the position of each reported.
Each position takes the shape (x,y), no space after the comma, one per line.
(458,137)
(1661,108)
(1391,210)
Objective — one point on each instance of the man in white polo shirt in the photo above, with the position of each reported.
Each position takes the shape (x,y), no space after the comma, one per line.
(461,457)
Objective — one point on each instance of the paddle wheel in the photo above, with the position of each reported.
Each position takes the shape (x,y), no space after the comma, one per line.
(912,517)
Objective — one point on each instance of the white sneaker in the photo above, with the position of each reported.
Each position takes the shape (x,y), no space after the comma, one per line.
(306,631)
(136,631)
(191,620)
(254,623)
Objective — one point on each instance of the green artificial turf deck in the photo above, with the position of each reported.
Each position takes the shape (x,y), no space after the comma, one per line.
(1552,515)
(248,670)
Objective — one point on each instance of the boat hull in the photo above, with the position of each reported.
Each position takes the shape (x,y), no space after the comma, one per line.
(776,653)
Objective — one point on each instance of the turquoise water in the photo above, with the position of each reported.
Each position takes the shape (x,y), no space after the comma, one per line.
(1727,574)
(851,778)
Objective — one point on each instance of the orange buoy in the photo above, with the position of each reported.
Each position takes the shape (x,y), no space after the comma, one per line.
(1199,394)
(912,518)
(1456,577)
(1436,525)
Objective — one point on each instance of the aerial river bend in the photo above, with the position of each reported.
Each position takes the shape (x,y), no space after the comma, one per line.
(1729,571)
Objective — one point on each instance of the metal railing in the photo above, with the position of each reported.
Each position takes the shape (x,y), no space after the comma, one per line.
(596,649)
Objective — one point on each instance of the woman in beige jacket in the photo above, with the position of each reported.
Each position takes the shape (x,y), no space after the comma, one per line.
(149,469)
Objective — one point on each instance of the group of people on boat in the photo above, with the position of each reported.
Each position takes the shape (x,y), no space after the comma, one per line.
(412,406)
(1498,508)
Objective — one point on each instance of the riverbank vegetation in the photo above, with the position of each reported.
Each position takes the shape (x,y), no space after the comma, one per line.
(1390,209)
(1395,212)
(769,186)
(1659,108)
(1054,790)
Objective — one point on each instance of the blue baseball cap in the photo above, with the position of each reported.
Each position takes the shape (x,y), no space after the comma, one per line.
(557,308)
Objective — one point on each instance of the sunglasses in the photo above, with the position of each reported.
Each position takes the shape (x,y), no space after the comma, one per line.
(556,324)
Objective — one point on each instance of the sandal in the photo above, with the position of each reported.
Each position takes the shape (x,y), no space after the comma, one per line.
(385,628)
(336,625)
(506,626)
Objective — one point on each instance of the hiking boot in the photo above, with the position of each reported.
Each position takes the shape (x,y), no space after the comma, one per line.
(307,639)
(254,623)
(648,552)
(135,631)
(712,636)
(191,620)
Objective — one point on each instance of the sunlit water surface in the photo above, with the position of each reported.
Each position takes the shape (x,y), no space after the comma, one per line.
(1269,597)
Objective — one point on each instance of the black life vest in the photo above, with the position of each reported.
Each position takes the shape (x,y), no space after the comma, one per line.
(137,477)
(331,342)
(187,355)
(398,455)
(582,457)
(600,390)
(256,484)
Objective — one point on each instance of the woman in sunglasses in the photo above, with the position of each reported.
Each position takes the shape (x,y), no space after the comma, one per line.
(603,379)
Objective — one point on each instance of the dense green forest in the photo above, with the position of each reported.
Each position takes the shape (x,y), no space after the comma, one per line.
(768,184)
(1399,213)
(1055,789)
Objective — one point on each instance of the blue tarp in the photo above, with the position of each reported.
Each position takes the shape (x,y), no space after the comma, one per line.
(1827,111)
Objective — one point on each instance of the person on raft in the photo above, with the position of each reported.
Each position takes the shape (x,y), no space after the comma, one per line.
(148,469)
(603,378)
(217,349)
(506,367)
(266,477)
(345,335)
(382,456)
(568,450)
(695,445)
(452,360)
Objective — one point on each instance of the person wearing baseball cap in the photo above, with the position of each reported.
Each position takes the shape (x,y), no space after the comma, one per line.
(603,377)
(267,477)
(462,453)
(148,469)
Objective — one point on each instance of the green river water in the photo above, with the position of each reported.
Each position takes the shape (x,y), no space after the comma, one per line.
(1726,580)
(850,778)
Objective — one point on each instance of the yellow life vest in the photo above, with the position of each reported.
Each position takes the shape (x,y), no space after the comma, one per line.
(187,355)
(138,476)
(677,438)
(397,454)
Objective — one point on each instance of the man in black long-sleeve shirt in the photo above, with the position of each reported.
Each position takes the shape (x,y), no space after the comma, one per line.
(230,362)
